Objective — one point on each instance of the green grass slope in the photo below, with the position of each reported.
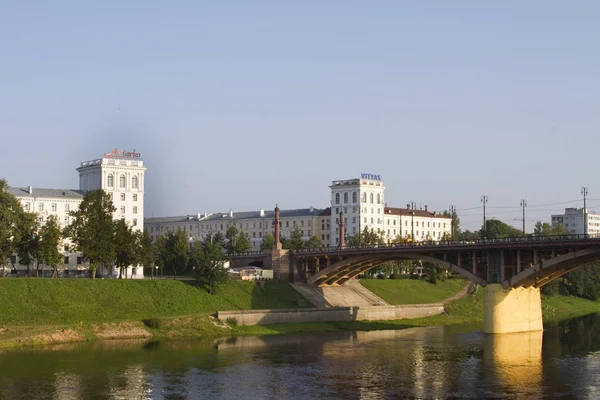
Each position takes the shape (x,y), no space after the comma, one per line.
(71,301)
(411,291)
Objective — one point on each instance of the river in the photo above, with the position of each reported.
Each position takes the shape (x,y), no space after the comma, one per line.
(434,362)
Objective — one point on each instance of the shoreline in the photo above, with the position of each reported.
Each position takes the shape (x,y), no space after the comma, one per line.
(467,310)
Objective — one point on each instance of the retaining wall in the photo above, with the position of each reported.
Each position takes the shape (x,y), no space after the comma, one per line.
(375,313)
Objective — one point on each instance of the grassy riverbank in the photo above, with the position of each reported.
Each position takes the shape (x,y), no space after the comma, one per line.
(411,291)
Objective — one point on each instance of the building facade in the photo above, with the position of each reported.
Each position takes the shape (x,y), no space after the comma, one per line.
(361,200)
(577,220)
(121,174)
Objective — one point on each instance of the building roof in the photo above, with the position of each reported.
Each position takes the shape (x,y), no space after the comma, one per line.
(417,213)
(265,214)
(47,193)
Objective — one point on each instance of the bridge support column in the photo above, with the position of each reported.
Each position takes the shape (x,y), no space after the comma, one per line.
(511,310)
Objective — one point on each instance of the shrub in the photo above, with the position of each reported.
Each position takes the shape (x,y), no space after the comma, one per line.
(231,321)
(380,276)
(153,323)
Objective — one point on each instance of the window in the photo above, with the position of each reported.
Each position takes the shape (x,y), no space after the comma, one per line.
(27,207)
(365,220)
(79,260)
(287,224)
(345,197)
(259,234)
(301,223)
(66,247)
(67,207)
(135,197)
(110,181)
(122,196)
(337,198)
(371,198)
(378,198)
(353,220)
(40,206)
(66,260)
(135,222)
(123,210)
(322,227)
(364,197)
(54,207)
(122,181)
(134,182)
(353,197)
(322,237)
(135,212)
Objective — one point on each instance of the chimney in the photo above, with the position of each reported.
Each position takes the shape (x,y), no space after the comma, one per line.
(230,213)
(30,189)
(262,212)
(425,207)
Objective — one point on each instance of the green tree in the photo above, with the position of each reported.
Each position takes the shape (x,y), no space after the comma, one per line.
(92,229)
(545,229)
(146,255)
(177,252)
(313,243)
(210,271)
(495,229)
(238,241)
(27,240)
(160,253)
(50,239)
(10,213)
(126,246)
(268,242)
(295,242)
(368,237)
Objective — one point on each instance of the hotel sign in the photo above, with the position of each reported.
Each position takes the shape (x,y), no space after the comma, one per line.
(370,176)
(122,154)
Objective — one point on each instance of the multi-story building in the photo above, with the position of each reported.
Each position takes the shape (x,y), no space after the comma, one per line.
(361,200)
(121,174)
(256,224)
(577,219)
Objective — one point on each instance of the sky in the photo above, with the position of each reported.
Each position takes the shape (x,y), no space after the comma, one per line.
(241,105)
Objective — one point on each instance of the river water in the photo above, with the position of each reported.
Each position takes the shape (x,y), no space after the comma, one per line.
(435,362)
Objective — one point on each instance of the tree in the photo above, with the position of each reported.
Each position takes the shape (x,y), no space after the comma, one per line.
(238,241)
(177,252)
(160,253)
(210,271)
(313,243)
(92,229)
(268,242)
(295,242)
(50,238)
(545,229)
(146,255)
(495,229)
(368,237)
(27,240)
(126,246)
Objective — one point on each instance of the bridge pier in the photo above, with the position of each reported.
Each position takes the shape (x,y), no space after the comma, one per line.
(511,310)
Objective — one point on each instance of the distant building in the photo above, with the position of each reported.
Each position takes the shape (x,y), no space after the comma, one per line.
(361,200)
(574,219)
(121,174)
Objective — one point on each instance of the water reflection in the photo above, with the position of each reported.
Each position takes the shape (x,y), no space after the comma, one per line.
(436,362)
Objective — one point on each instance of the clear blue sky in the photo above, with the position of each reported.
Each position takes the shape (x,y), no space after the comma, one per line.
(244,104)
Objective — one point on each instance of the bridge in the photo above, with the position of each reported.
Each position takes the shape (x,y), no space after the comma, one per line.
(511,270)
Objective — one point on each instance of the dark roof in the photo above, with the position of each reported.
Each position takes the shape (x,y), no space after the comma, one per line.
(408,211)
(326,212)
(51,193)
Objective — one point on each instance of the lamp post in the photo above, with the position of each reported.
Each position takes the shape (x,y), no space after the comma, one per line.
(452,214)
(412,206)
(523,205)
(484,200)
(584,193)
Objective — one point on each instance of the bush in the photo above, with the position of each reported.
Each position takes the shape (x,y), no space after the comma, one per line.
(153,323)
(380,276)
(231,321)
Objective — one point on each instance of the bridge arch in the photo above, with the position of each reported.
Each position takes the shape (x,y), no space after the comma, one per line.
(348,268)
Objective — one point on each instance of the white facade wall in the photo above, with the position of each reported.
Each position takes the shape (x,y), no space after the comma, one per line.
(573,219)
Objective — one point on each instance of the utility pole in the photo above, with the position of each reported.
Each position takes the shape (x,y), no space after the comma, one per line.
(484,200)
(584,192)
(412,220)
(453,215)
(523,205)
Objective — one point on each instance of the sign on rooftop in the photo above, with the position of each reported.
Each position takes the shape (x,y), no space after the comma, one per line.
(370,176)
(124,154)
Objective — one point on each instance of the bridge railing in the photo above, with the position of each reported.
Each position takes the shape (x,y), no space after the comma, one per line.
(461,242)
(440,243)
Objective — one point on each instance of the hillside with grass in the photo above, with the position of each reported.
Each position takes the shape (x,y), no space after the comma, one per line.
(413,291)
(73,301)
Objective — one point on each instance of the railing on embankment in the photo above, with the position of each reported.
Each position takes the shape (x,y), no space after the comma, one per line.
(334,314)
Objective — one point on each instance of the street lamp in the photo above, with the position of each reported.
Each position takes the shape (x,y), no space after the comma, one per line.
(484,200)
(584,193)
(523,205)
(412,206)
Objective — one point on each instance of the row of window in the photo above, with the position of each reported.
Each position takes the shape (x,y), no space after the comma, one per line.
(355,200)
(53,207)
(110,181)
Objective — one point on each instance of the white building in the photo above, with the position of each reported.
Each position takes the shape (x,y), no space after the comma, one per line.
(574,219)
(121,174)
(363,202)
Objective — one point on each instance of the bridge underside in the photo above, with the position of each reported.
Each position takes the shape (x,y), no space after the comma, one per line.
(512,268)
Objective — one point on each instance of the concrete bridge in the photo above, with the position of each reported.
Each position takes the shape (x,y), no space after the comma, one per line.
(511,270)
